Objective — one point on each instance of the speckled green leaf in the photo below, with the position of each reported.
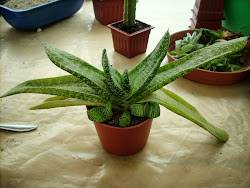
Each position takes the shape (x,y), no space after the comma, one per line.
(144,72)
(56,98)
(79,68)
(108,106)
(113,77)
(66,86)
(179,106)
(126,85)
(180,67)
(137,110)
(59,101)
(100,114)
(152,109)
(124,120)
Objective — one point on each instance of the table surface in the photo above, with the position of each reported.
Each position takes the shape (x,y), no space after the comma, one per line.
(64,151)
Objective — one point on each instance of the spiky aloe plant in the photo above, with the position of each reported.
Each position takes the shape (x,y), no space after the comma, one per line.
(138,92)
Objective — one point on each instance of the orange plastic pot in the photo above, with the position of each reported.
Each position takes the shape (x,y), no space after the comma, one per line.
(108,11)
(205,76)
(130,45)
(124,141)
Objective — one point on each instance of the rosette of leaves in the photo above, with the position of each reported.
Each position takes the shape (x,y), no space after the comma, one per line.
(189,44)
(138,92)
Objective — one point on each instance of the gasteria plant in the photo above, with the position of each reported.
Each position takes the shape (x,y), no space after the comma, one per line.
(138,92)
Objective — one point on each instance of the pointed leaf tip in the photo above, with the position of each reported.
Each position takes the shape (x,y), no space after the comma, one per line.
(113,77)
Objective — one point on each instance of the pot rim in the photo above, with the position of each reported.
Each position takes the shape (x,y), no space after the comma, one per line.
(198,69)
(125,128)
(131,127)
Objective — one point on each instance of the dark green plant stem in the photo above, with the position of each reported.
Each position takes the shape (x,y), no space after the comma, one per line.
(125,13)
(129,12)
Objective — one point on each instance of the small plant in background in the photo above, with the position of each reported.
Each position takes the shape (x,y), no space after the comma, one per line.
(135,93)
(205,37)
(189,44)
(230,63)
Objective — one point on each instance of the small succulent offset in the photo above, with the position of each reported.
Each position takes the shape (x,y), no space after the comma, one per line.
(138,92)
(199,39)
(189,44)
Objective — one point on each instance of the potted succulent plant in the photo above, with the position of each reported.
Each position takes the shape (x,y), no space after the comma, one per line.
(108,11)
(130,36)
(223,71)
(113,97)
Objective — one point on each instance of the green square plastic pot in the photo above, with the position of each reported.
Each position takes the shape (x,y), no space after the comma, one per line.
(236,15)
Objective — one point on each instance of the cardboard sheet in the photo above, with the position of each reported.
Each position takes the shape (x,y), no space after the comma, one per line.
(64,151)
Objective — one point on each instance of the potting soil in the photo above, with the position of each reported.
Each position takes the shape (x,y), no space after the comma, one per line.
(24,4)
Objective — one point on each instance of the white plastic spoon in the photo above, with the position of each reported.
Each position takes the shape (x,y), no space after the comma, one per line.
(18,128)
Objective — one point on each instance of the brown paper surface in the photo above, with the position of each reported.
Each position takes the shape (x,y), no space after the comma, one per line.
(64,151)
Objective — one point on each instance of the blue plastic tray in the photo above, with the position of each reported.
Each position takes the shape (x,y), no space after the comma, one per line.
(42,15)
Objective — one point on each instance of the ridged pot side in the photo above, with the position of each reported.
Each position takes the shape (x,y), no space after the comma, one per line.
(130,45)
(124,141)
(206,76)
(108,11)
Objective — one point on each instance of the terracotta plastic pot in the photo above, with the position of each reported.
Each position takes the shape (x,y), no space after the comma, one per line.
(132,44)
(204,15)
(108,11)
(205,76)
(124,141)
(208,24)
(207,14)
(209,5)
